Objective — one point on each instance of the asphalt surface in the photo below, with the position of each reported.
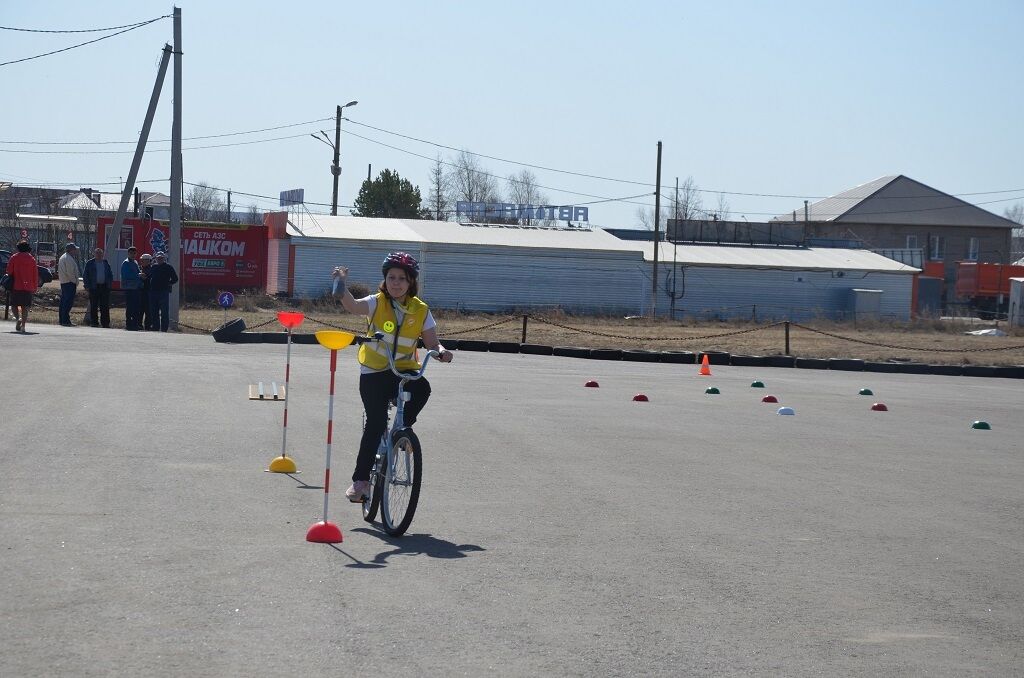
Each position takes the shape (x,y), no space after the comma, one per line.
(562,530)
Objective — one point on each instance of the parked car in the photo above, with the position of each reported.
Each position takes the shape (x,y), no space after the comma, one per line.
(45,275)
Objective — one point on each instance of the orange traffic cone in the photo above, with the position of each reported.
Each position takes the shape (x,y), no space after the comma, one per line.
(705,368)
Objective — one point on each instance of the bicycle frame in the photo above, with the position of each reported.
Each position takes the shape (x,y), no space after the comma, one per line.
(391,469)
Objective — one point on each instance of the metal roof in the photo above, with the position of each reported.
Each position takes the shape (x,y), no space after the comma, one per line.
(897,199)
(417,232)
(427,231)
(796,258)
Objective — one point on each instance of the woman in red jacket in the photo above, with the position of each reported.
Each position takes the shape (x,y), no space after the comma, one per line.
(22,267)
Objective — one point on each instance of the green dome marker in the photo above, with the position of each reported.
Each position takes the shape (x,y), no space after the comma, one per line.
(866,391)
(757,384)
(981,425)
(712,390)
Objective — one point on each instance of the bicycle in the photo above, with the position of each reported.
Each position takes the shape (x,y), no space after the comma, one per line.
(398,467)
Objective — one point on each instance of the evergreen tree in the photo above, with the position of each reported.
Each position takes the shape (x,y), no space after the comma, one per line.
(390,196)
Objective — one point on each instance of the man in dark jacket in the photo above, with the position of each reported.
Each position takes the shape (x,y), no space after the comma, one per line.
(161,278)
(146,309)
(131,283)
(97,278)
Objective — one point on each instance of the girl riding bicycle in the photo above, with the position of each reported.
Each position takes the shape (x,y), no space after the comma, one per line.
(403,319)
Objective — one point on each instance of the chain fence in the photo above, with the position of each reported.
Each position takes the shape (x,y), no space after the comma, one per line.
(983,349)
(45,308)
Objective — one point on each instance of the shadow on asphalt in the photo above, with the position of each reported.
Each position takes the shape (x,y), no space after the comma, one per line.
(302,483)
(411,545)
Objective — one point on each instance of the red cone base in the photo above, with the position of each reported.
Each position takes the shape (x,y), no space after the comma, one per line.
(324,532)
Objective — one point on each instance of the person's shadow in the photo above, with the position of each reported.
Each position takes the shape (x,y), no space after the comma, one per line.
(412,545)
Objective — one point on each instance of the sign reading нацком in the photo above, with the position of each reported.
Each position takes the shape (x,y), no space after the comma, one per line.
(227,256)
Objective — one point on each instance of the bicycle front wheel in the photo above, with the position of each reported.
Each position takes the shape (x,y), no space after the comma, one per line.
(371,505)
(400,485)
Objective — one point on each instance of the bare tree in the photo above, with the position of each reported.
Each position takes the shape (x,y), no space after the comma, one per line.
(437,200)
(722,208)
(1015,213)
(253,215)
(203,203)
(468,181)
(684,204)
(523,190)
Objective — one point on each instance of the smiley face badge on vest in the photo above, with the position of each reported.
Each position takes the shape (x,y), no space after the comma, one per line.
(389,326)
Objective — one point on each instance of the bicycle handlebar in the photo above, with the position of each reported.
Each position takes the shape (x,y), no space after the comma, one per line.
(411,376)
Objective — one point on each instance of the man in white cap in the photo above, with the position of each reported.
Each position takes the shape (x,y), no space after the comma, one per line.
(162,278)
(67,273)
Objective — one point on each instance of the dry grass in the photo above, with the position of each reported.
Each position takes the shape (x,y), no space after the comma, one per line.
(932,341)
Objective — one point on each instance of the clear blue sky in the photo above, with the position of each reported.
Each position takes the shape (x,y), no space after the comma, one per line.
(796,98)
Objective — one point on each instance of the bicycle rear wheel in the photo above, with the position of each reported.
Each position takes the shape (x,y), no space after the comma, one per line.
(400,485)
(371,505)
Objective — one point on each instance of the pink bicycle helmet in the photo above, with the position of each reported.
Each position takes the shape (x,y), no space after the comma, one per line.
(402,260)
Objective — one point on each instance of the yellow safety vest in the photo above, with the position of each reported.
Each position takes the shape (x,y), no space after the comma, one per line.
(374,354)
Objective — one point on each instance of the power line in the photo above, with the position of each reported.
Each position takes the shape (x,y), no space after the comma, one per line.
(486,174)
(82,44)
(160,141)
(623,181)
(83,30)
(153,150)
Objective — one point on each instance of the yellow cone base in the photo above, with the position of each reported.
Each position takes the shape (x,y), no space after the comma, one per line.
(282,464)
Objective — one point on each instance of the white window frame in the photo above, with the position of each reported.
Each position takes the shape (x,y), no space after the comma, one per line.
(937,248)
(973,248)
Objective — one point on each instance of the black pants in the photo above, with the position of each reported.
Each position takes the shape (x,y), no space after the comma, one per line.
(99,304)
(146,313)
(376,389)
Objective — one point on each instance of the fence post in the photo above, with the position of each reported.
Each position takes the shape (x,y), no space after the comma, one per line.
(787,337)
(524,328)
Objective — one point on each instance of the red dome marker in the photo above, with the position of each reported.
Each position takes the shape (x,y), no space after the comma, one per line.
(879,407)
(640,398)
(592,384)
(769,399)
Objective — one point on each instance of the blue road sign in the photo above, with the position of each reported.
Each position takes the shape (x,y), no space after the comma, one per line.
(226,299)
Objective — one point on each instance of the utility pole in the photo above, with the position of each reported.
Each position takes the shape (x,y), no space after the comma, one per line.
(177,178)
(122,209)
(336,168)
(657,237)
(229,205)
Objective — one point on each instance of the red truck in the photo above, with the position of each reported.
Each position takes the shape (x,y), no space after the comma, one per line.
(986,287)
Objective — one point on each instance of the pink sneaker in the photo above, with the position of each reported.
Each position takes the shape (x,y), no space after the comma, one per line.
(358,491)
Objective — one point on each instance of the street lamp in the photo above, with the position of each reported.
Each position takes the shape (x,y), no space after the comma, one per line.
(336,167)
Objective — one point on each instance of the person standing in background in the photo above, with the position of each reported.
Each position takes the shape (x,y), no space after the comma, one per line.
(131,283)
(162,278)
(146,306)
(23,268)
(97,278)
(67,273)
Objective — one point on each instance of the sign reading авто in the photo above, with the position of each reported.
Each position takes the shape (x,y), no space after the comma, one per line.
(506,210)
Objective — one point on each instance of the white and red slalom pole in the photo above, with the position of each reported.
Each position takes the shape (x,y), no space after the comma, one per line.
(326,532)
(282,464)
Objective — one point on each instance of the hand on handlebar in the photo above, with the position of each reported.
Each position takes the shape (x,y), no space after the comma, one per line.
(445,356)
